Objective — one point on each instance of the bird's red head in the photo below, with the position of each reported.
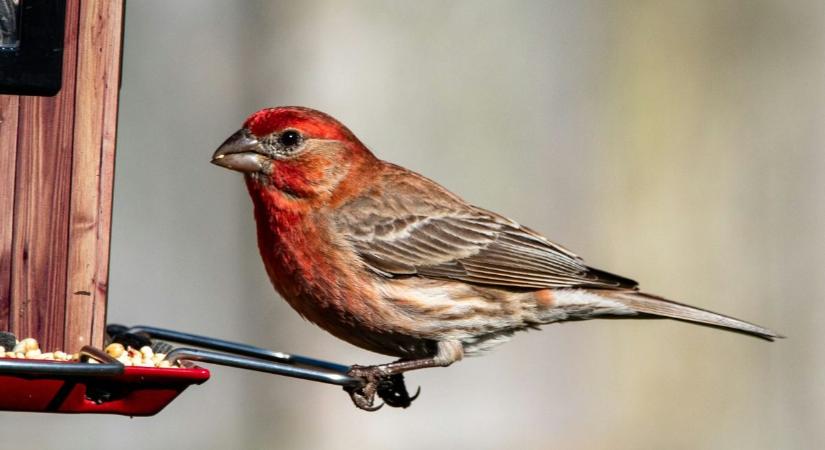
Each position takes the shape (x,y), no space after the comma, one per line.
(311,123)
(301,152)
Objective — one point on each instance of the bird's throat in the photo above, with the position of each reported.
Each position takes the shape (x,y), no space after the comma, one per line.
(289,239)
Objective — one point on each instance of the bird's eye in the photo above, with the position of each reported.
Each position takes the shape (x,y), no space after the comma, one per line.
(289,138)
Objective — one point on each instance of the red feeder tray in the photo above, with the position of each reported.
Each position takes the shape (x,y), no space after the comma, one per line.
(41,386)
(109,387)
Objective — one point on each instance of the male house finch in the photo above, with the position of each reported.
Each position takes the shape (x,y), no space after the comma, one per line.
(392,262)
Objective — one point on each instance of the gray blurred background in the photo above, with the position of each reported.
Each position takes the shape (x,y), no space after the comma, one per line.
(678,143)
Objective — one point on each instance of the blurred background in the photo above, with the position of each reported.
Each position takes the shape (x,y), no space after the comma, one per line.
(678,143)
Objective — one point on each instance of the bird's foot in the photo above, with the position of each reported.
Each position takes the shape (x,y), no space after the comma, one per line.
(377,380)
(393,391)
(363,396)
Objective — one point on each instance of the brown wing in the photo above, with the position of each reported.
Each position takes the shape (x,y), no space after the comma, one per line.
(419,229)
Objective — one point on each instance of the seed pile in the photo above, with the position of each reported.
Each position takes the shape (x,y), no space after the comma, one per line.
(29,349)
(144,357)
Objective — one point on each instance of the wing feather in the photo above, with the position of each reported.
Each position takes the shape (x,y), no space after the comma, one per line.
(420,229)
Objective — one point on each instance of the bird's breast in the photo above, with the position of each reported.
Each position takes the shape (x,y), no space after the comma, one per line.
(299,257)
(308,263)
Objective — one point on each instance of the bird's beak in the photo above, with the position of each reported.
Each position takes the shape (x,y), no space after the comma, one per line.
(241,152)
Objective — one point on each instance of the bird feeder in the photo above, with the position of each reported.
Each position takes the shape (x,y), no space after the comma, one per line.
(59,83)
(57,148)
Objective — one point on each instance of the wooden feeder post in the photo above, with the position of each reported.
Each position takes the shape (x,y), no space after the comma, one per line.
(56,172)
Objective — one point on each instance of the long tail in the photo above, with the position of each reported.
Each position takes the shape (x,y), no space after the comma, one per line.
(659,307)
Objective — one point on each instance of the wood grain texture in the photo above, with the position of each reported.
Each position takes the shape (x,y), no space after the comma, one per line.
(42,189)
(56,175)
(107,169)
(8,154)
(92,171)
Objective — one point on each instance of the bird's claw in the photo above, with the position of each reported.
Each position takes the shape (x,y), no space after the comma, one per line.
(417,393)
(365,402)
(363,396)
(393,391)
(390,388)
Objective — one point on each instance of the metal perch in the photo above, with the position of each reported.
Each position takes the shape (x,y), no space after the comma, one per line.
(233,354)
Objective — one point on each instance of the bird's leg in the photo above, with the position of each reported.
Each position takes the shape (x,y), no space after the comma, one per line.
(383,378)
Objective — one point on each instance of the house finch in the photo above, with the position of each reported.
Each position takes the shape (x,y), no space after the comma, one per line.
(392,262)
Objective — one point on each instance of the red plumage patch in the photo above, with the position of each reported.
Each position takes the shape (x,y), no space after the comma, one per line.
(311,123)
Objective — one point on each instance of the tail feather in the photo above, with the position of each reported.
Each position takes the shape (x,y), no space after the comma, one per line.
(660,307)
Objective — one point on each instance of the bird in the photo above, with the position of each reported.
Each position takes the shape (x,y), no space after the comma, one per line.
(392,262)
